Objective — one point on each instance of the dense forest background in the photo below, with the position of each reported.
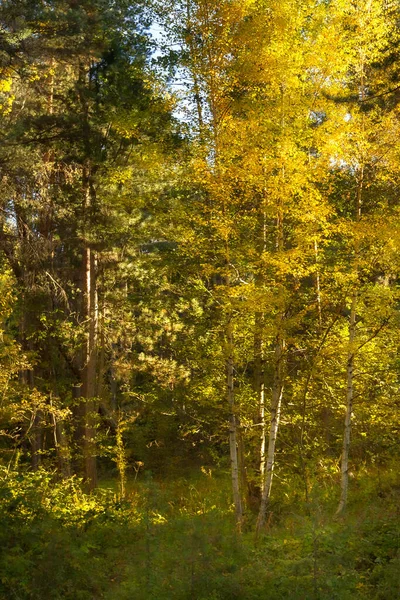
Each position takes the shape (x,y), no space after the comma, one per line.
(199,299)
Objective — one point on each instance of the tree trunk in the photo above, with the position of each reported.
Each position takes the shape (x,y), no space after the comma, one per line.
(318,283)
(241,459)
(63,450)
(259,343)
(196,84)
(90,314)
(61,444)
(276,401)
(344,481)
(233,433)
(37,440)
(86,411)
(278,381)
(259,385)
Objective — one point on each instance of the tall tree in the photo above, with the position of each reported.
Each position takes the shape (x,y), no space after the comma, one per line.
(83,94)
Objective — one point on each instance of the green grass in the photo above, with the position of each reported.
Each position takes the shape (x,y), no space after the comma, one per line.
(177,540)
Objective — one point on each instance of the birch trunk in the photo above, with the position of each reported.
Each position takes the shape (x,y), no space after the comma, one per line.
(259,342)
(277,384)
(259,385)
(87,408)
(276,401)
(263,424)
(344,482)
(89,369)
(318,283)
(244,485)
(233,432)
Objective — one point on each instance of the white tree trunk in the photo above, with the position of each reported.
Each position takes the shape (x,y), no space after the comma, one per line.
(90,371)
(259,385)
(276,402)
(263,424)
(233,438)
(344,482)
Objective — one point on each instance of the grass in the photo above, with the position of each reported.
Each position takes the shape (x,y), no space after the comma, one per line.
(176,539)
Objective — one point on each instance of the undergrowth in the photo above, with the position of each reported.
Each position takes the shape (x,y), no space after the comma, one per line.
(177,540)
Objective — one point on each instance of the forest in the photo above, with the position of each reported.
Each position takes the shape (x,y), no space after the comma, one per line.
(199,299)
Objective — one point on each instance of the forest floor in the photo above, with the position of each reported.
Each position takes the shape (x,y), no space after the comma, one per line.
(176,539)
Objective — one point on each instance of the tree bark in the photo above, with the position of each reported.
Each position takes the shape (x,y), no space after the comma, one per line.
(86,411)
(277,384)
(276,401)
(318,283)
(344,481)
(89,306)
(60,444)
(90,315)
(259,385)
(196,83)
(233,433)
(37,440)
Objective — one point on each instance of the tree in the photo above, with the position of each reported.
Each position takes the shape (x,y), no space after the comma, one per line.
(83,121)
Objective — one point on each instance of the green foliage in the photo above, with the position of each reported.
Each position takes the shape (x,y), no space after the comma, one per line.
(51,532)
(145,262)
(177,540)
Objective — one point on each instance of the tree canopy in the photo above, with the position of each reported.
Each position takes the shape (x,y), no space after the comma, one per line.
(199,255)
